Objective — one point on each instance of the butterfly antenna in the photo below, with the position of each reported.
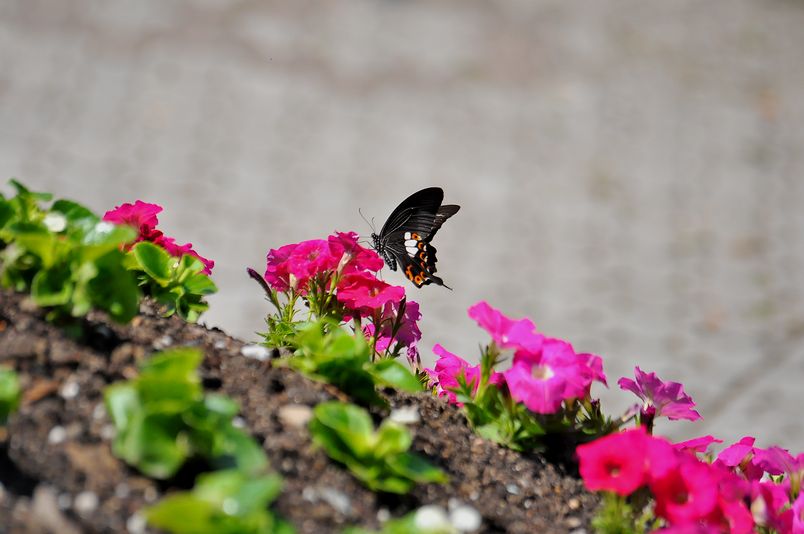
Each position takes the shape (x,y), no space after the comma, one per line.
(371,224)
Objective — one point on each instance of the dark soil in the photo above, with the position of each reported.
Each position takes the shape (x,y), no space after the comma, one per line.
(57,472)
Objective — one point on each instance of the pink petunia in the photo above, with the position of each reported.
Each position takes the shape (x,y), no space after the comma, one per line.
(351,256)
(616,462)
(770,505)
(408,333)
(143,217)
(660,398)
(687,494)
(798,515)
(507,333)
(448,367)
(277,271)
(697,445)
(543,380)
(364,293)
(689,528)
(309,259)
(140,215)
(741,456)
(776,461)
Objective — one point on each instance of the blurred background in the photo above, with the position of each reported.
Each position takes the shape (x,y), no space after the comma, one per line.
(631,173)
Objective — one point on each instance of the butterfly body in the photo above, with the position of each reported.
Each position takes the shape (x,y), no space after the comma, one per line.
(405,238)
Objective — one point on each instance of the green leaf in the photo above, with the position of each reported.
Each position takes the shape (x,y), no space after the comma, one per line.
(154,260)
(392,438)
(392,373)
(37,240)
(416,468)
(51,288)
(10,393)
(350,422)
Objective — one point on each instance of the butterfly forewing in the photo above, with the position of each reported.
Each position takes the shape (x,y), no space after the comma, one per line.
(406,235)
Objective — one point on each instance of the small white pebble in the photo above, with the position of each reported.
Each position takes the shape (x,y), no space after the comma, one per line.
(163,342)
(64,501)
(295,415)
(136,524)
(406,415)
(309,494)
(69,390)
(56,435)
(527,504)
(573,504)
(85,502)
(578,531)
(108,432)
(337,499)
(573,522)
(513,489)
(220,344)
(122,491)
(465,518)
(431,517)
(150,494)
(383,515)
(475,495)
(256,352)
(99,412)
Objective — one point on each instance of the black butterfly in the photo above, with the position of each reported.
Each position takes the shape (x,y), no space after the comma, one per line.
(405,237)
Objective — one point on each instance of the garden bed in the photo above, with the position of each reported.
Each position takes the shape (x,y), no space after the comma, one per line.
(58,473)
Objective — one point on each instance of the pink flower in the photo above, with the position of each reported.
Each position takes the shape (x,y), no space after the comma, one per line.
(770,506)
(364,293)
(311,258)
(741,456)
(408,333)
(447,370)
(660,398)
(776,461)
(798,514)
(277,271)
(687,494)
(689,528)
(544,379)
(506,333)
(352,257)
(174,249)
(141,215)
(616,462)
(699,445)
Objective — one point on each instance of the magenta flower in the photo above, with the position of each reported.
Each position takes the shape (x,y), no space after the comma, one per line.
(408,334)
(697,445)
(770,506)
(776,461)
(660,398)
(447,370)
(798,514)
(309,259)
(616,462)
(741,456)
(143,217)
(506,333)
(352,257)
(277,271)
(140,215)
(689,528)
(543,380)
(364,293)
(687,494)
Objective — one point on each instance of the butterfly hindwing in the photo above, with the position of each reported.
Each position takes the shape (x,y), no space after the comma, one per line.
(405,238)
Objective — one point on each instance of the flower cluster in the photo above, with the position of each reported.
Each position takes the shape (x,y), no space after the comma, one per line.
(693,495)
(142,217)
(659,398)
(545,372)
(336,278)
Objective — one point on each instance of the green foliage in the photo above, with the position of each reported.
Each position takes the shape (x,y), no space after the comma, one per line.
(178,284)
(9,393)
(329,353)
(71,261)
(403,525)
(617,516)
(163,418)
(66,257)
(222,502)
(380,459)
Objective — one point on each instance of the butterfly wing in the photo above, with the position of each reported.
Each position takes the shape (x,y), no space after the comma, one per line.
(407,235)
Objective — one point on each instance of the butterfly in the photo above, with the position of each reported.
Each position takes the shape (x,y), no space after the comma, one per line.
(405,237)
